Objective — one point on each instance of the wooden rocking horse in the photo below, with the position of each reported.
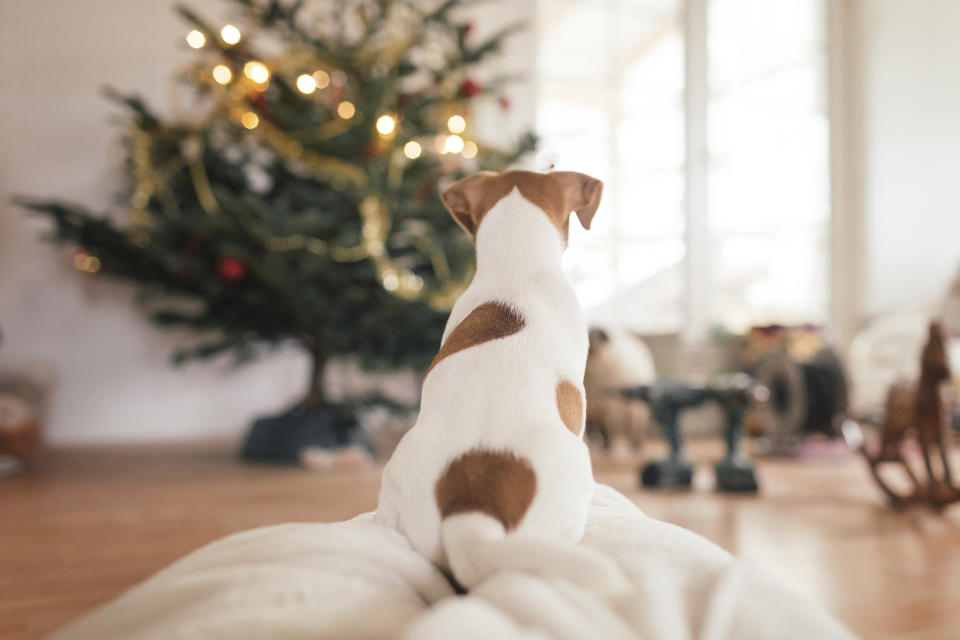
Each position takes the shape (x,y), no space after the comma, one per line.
(918,410)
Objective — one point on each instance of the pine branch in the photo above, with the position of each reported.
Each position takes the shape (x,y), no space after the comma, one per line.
(493,44)
(145,118)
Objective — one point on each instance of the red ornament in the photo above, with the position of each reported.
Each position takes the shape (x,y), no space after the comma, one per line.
(469,88)
(505,103)
(259,101)
(231,269)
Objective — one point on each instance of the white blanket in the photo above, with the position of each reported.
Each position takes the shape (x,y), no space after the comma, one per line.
(356,579)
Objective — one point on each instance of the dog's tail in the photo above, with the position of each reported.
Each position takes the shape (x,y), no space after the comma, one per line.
(478,546)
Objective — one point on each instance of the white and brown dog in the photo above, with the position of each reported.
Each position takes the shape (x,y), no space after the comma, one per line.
(495,473)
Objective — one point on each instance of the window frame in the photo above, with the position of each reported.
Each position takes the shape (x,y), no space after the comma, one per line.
(844,243)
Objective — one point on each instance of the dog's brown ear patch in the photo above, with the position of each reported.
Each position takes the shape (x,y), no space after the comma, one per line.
(469,199)
(581,193)
(489,321)
(570,406)
(497,483)
(557,194)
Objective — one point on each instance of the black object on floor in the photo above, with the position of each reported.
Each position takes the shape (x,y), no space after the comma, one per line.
(669,398)
(283,437)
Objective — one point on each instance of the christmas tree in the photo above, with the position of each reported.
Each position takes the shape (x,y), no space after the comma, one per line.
(293,195)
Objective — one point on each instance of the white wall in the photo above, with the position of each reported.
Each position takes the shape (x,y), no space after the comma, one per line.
(115,381)
(911,137)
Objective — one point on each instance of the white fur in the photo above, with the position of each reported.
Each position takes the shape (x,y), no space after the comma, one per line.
(501,395)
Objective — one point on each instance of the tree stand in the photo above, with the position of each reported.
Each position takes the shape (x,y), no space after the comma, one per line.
(311,423)
(282,438)
(667,400)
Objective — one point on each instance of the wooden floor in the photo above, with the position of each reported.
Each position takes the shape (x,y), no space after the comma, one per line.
(88,523)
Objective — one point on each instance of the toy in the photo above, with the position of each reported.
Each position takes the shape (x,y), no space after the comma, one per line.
(669,398)
(616,359)
(918,410)
(806,381)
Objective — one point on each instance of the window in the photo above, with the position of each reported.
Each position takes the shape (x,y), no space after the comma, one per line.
(612,100)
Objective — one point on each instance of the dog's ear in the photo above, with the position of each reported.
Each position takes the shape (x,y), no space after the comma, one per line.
(581,194)
(462,199)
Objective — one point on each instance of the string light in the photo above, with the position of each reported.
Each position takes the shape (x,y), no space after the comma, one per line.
(256,71)
(453,144)
(322,78)
(230,34)
(470,149)
(346,110)
(456,124)
(386,125)
(83,261)
(390,280)
(306,84)
(411,281)
(398,280)
(196,39)
(222,74)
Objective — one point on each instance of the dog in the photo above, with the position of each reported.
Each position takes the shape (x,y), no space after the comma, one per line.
(494,474)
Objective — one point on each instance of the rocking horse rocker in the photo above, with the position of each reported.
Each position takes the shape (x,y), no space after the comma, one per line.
(920,411)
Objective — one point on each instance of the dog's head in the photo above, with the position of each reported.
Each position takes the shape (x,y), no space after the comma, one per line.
(556,194)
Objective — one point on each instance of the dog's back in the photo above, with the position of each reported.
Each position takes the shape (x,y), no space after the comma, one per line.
(497,448)
(514,347)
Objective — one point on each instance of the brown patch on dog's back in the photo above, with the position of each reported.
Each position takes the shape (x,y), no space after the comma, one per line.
(570,406)
(489,321)
(497,483)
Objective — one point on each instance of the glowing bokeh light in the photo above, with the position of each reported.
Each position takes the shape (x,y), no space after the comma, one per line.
(256,71)
(386,125)
(346,110)
(196,39)
(456,124)
(222,74)
(453,144)
(306,84)
(322,78)
(230,34)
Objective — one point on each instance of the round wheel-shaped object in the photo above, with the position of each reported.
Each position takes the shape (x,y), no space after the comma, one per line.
(784,413)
